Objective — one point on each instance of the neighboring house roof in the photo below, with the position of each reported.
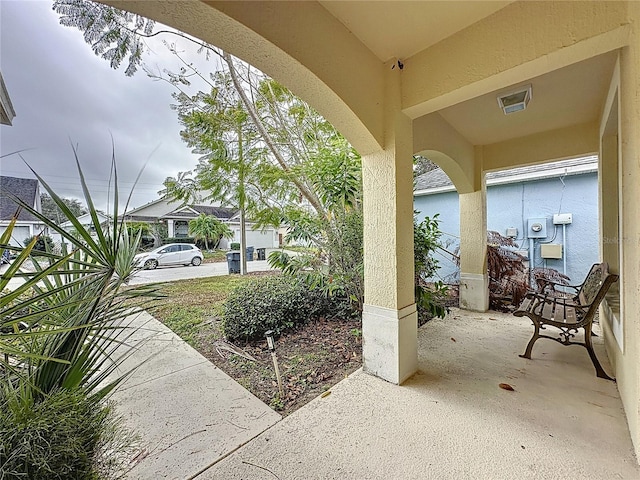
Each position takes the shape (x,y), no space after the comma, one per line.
(186,212)
(85,219)
(26,189)
(6,108)
(220,212)
(164,206)
(153,203)
(141,218)
(436,181)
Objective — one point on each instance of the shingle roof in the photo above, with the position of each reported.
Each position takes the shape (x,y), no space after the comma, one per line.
(437,178)
(432,179)
(220,212)
(25,189)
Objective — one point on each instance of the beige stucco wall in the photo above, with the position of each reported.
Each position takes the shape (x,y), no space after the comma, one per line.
(526,39)
(628,364)
(436,139)
(568,142)
(388,208)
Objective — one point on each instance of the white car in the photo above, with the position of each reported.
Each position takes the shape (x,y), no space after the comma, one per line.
(171,254)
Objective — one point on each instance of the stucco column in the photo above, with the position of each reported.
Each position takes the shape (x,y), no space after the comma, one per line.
(627,366)
(474,284)
(170,229)
(389,319)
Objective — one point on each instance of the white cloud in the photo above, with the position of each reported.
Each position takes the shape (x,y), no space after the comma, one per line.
(62,94)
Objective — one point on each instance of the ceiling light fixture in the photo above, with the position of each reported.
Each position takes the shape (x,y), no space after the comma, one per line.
(515,100)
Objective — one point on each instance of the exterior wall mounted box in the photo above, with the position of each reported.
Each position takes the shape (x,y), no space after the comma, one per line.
(562,218)
(551,250)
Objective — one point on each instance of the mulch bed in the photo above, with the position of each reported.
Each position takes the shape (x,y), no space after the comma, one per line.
(311,359)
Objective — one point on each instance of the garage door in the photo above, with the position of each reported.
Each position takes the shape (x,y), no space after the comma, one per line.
(20,233)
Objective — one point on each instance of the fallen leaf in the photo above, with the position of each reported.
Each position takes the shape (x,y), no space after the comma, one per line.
(328,392)
(506,386)
(453,339)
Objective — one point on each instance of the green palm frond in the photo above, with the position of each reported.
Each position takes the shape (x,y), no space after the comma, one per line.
(67,325)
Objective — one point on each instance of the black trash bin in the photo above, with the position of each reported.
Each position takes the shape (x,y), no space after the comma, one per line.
(262,253)
(249,254)
(233,261)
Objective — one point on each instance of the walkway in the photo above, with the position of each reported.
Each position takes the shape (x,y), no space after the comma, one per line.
(188,412)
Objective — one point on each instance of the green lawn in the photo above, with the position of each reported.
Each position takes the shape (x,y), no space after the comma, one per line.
(214,256)
(192,303)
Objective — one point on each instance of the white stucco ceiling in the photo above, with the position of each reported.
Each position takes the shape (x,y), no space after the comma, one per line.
(569,96)
(399,29)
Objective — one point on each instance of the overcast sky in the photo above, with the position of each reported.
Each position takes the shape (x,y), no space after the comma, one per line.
(62,93)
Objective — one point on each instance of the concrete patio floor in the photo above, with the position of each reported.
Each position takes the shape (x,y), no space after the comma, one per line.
(452,420)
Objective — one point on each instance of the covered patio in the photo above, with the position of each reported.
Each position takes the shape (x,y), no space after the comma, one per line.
(405,78)
(452,420)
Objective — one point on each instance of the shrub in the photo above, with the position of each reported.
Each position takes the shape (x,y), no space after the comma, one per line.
(430,296)
(235,246)
(59,437)
(275,303)
(336,269)
(43,244)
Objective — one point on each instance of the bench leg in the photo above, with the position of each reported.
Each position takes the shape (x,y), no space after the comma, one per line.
(536,336)
(596,363)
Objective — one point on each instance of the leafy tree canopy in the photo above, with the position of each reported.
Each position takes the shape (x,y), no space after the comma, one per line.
(52,211)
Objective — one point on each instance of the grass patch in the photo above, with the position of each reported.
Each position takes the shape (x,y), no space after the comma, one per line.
(214,256)
(191,305)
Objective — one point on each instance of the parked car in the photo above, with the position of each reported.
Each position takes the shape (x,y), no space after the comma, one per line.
(171,254)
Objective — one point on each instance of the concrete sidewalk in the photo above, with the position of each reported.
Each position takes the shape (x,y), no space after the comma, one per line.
(452,420)
(188,412)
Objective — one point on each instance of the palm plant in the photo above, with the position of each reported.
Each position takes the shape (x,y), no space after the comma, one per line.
(207,227)
(63,333)
(61,327)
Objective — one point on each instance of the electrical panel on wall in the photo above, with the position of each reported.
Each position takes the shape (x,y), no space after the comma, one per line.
(537,227)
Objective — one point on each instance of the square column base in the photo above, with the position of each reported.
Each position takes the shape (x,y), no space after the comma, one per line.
(390,342)
(474,292)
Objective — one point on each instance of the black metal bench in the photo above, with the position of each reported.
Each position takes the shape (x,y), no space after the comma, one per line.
(568,312)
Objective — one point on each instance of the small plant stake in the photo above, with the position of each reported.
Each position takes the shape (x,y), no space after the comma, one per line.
(272,348)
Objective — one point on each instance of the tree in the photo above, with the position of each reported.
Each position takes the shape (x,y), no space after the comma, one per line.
(113,34)
(430,296)
(52,211)
(207,227)
(232,163)
(268,153)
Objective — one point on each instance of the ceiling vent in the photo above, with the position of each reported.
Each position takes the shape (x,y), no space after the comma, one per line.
(515,100)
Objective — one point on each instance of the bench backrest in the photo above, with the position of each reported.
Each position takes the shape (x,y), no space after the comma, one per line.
(595,286)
